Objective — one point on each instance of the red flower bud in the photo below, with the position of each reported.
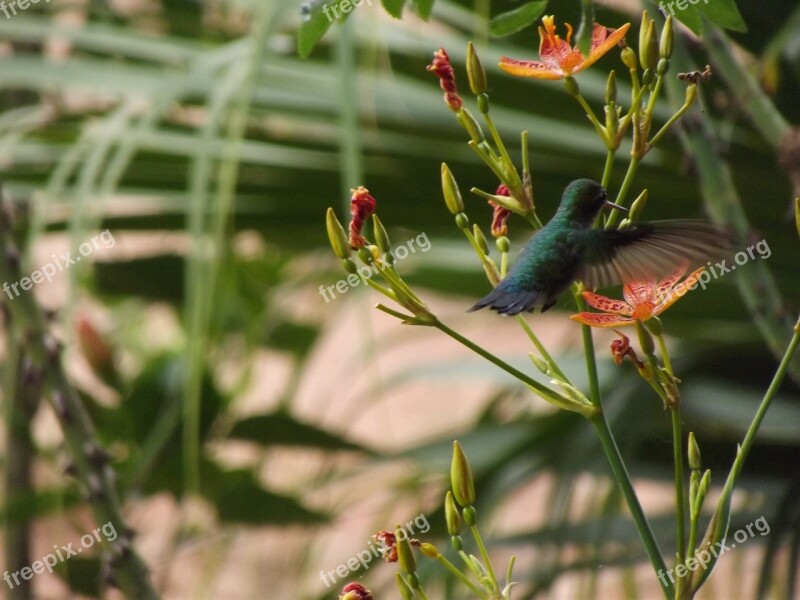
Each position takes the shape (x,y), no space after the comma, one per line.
(355,591)
(362,205)
(442,68)
(500,217)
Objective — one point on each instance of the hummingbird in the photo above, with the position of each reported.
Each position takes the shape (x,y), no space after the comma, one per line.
(568,249)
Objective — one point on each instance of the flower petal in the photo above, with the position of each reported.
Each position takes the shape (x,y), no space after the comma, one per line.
(665,285)
(529,68)
(637,292)
(678,292)
(603,40)
(609,305)
(602,320)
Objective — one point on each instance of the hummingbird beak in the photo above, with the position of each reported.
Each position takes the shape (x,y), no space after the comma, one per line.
(616,206)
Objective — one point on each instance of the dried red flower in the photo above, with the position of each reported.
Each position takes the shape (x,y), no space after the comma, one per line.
(388,544)
(442,68)
(355,591)
(500,216)
(362,205)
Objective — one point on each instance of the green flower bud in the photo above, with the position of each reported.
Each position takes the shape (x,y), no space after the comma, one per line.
(663,67)
(450,191)
(647,77)
(572,86)
(472,126)
(475,72)
(481,239)
(366,256)
(667,36)
(462,221)
(691,94)
(406,592)
(349,265)
(655,326)
(648,44)
(336,235)
(405,555)
(611,88)
(452,515)
(381,237)
(628,57)
(645,339)
(457,543)
(502,243)
(461,477)
(469,516)
(637,208)
(483,103)
(540,363)
(429,550)
(694,453)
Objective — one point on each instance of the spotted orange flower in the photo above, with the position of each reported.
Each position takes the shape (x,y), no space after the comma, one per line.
(643,300)
(559,59)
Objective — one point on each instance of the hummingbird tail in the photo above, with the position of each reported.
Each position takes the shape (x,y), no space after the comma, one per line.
(509,303)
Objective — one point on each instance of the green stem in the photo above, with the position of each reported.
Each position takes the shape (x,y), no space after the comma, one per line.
(677,450)
(532,383)
(503,152)
(608,168)
(588,349)
(486,560)
(592,117)
(459,575)
(603,431)
(623,191)
(540,347)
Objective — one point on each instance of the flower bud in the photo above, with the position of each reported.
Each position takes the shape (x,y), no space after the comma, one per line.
(645,339)
(611,87)
(355,591)
(362,205)
(694,453)
(540,363)
(429,550)
(472,126)
(667,36)
(480,239)
(628,57)
(462,221)
(691,94)
(648,44)
(475,72)
(405,555)
(450,191)
(336,235)
(655,326)
(637,208)
(663,67)
(469,516)
(349,266)
(502,243)
(381,237)
(461,477)
(442,68)
(452,515)
(572,86)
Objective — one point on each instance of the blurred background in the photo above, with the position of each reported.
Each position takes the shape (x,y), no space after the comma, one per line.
(262,432)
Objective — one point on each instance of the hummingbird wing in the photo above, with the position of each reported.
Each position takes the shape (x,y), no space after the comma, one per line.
(650,251)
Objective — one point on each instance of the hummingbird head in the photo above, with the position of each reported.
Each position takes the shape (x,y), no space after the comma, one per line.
(583,199)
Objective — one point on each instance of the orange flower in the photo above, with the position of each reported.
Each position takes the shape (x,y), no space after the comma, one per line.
(558,58)
(643,300)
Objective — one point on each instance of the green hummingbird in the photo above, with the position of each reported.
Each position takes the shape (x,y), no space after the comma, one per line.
(568,249)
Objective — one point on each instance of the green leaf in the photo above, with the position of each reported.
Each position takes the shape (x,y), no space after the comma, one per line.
(423,8)
(282,429)
(724,13)
(584,37)
(394,7)
(517,19)
(313,29)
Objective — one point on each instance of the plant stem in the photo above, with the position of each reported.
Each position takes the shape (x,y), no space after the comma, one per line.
(603,431)
(459,575)
(677,450)
(623,191)
(588,349)
(486,559)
